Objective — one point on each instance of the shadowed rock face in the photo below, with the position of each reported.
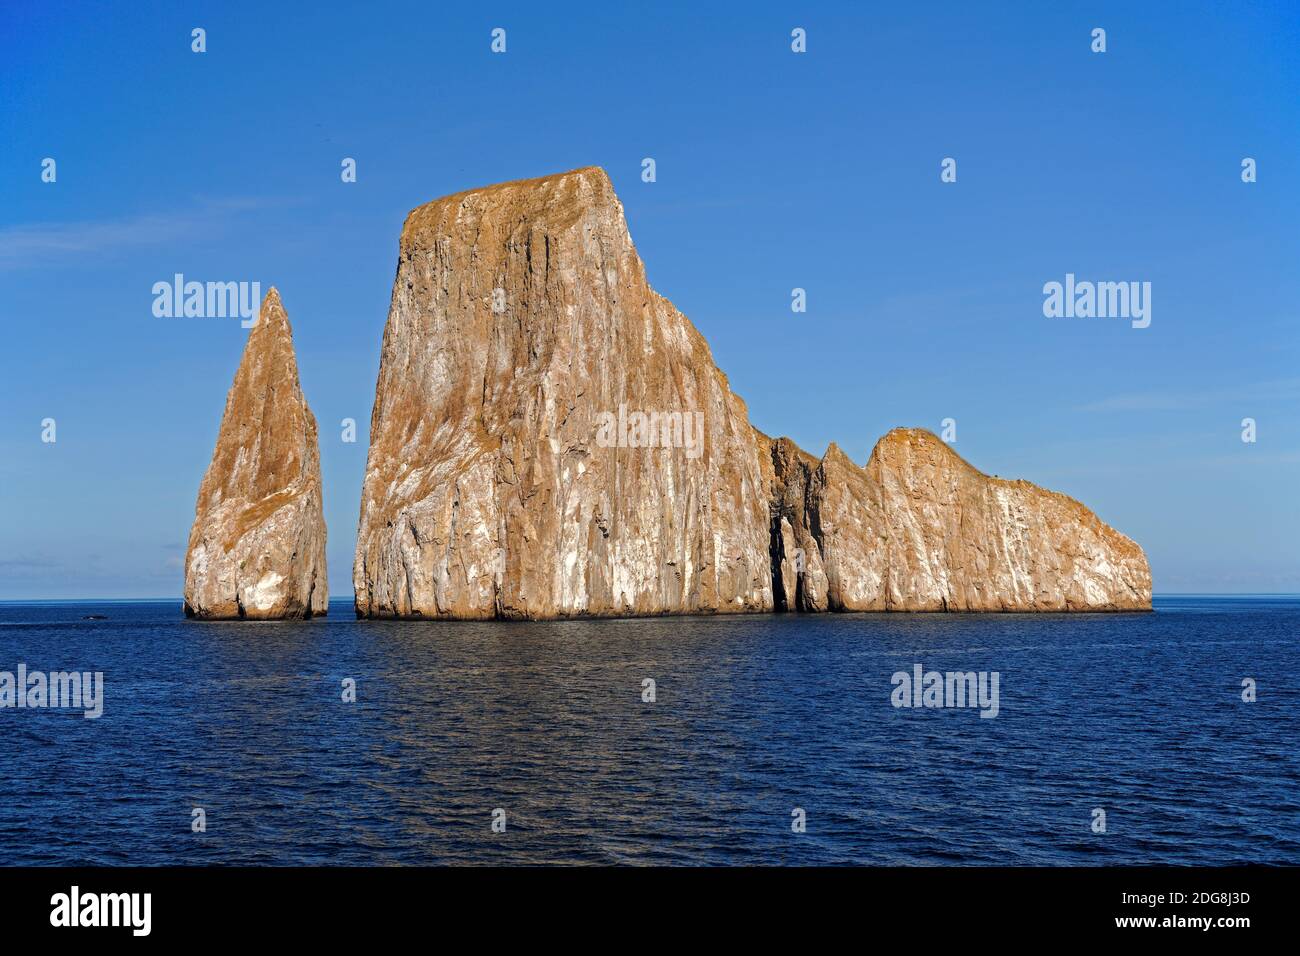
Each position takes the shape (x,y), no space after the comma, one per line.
(257,548)
(509,474)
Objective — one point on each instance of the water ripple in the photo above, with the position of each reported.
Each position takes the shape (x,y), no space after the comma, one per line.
(1139,715)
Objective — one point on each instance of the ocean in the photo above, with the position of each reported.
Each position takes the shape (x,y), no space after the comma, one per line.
(769,739)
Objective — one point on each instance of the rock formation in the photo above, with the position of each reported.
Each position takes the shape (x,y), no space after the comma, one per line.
(918,529)
(257,548)
(551,438)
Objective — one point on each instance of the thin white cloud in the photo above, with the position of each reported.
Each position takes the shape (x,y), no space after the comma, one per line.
(42,244)
(1173,401)
(39,245)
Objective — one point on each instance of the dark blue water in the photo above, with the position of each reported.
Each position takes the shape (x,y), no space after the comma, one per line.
(1139,714)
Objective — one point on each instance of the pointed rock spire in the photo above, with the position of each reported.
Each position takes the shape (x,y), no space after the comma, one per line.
(257,548)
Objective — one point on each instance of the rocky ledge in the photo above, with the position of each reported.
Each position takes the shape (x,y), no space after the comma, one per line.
(551,438)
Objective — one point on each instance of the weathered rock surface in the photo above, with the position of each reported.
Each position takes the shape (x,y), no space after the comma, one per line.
(520,314)
(919,529)
(257,548)
(511,476)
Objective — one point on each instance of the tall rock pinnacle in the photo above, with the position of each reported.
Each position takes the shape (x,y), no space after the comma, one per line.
(257,548)
(551,438)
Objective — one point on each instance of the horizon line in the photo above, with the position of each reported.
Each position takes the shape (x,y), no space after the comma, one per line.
(333,597)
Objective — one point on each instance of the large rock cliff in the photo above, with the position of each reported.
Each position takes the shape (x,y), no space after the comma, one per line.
(257,548)
(551,438)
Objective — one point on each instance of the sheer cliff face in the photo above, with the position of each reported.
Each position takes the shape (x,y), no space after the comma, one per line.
(257,548)
(522,341)
(551,438)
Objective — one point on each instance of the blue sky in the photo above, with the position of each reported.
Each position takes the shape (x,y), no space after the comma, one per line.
(774,171)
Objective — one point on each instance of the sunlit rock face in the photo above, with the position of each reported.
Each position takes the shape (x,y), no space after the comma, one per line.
(551,438)
(521,323)
(918,529)
(257,547)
